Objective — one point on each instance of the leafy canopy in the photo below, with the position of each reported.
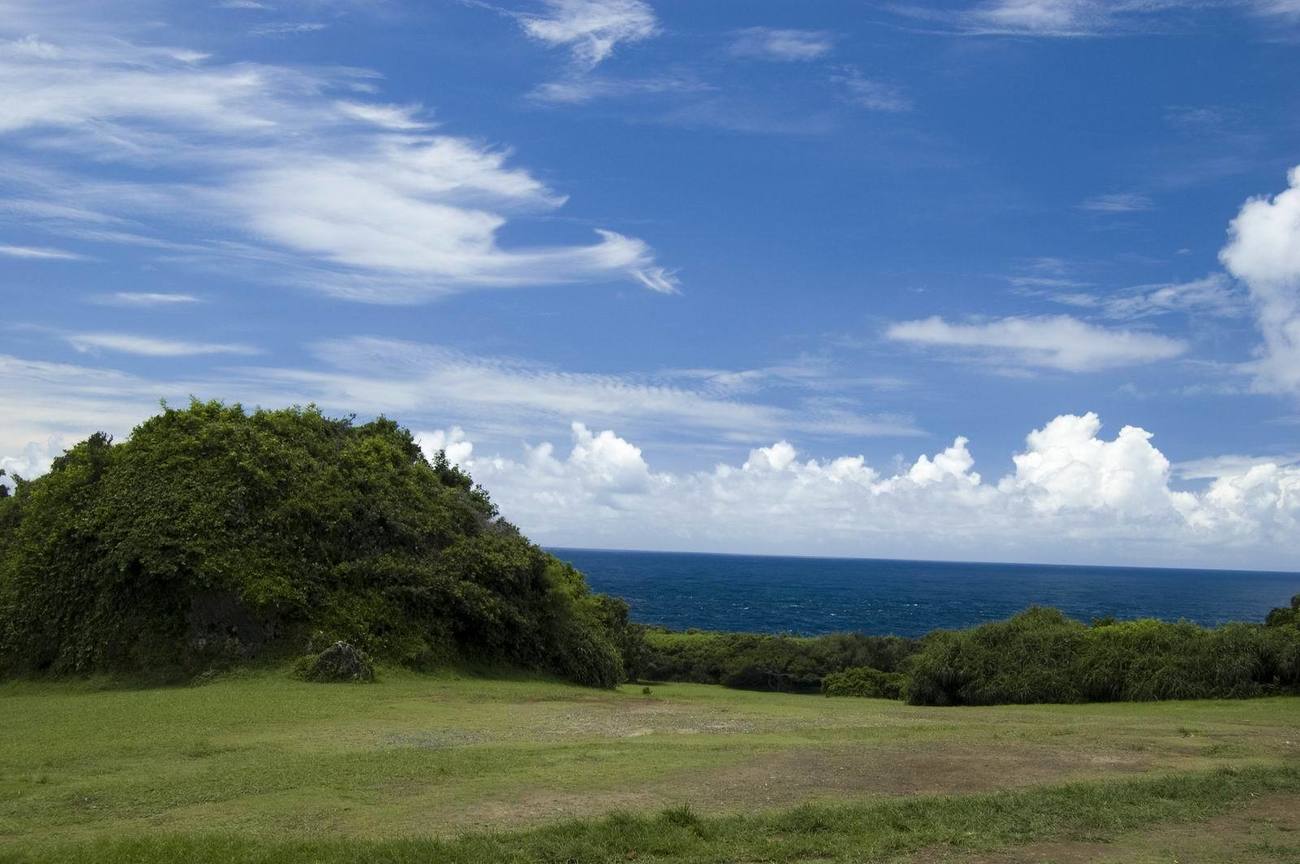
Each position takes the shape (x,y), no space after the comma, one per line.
(214,535)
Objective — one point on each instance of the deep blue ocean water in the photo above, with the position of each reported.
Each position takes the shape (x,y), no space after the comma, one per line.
(764,594)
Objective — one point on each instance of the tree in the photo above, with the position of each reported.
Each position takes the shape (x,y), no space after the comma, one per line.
(215,536)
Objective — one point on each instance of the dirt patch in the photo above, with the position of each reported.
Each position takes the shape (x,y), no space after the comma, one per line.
(1265,831)
(792,777)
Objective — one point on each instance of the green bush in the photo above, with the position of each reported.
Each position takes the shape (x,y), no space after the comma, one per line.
(339,663)
(865,682)
(215,536)
(1285,616)
(758,662)
(1041,655)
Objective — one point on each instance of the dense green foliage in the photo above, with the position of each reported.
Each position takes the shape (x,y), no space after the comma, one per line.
(1285,616)
(757,662)
(865,682)
(213,536)
(1042,656)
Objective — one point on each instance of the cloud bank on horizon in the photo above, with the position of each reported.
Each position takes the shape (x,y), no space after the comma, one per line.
(750,239)
(1072,494)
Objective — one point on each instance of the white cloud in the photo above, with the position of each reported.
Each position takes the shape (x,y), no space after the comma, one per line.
(1118,202)
(590,29)
(1071,495)
(769,43)
(1286,9)
(143,299)
(1042,17)
(287,28)
(32,460)
(1054,342)
(66,402)
(1061,18)
(426,386)
(147,346)
(1263,251)
(289,175)
(381,375)
(450,442)
(39,253)
(869,93)
(1213,295)
(580,89)
(1066,466)
(397,118)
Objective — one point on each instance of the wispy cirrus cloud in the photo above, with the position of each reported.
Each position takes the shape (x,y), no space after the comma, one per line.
(590,29)
(292,174)
(39,253)
(150,346)
(425,385)
(781,45)
(1052,18)
(144,299)
(1118,202)
(287,28)
(1056,342)
(870,93)
(580,89)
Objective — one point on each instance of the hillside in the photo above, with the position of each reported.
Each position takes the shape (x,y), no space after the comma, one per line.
(214,536)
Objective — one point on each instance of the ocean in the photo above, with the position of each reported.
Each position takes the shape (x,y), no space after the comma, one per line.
(765,594)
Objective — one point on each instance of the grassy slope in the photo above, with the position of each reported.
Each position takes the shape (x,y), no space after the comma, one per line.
(262,760)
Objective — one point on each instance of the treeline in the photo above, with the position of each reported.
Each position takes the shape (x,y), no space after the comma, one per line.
(1040,655)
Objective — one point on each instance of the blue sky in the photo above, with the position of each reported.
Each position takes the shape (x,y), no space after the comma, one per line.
(653,269)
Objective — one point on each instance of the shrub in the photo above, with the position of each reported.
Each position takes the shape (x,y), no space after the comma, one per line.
(865,682)
(339,663)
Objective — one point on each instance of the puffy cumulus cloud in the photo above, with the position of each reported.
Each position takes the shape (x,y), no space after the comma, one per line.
(451,442)
(1263,251)
(291,173)
(33,460)
(1256,505)
(607,463)
(1067,466)
(1051,341)
(778,457)
(1072,494)
(955,462)
(590,29)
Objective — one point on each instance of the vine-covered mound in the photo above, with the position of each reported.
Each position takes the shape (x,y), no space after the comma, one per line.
(214,536)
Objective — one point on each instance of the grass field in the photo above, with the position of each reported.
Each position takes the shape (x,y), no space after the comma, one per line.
(458,768)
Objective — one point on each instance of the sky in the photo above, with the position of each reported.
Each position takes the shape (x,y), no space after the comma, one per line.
(997,280)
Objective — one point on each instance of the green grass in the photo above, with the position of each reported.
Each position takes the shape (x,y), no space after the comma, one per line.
(262,765)
(880,831)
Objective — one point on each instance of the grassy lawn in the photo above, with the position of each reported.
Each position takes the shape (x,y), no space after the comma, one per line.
(263,765)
